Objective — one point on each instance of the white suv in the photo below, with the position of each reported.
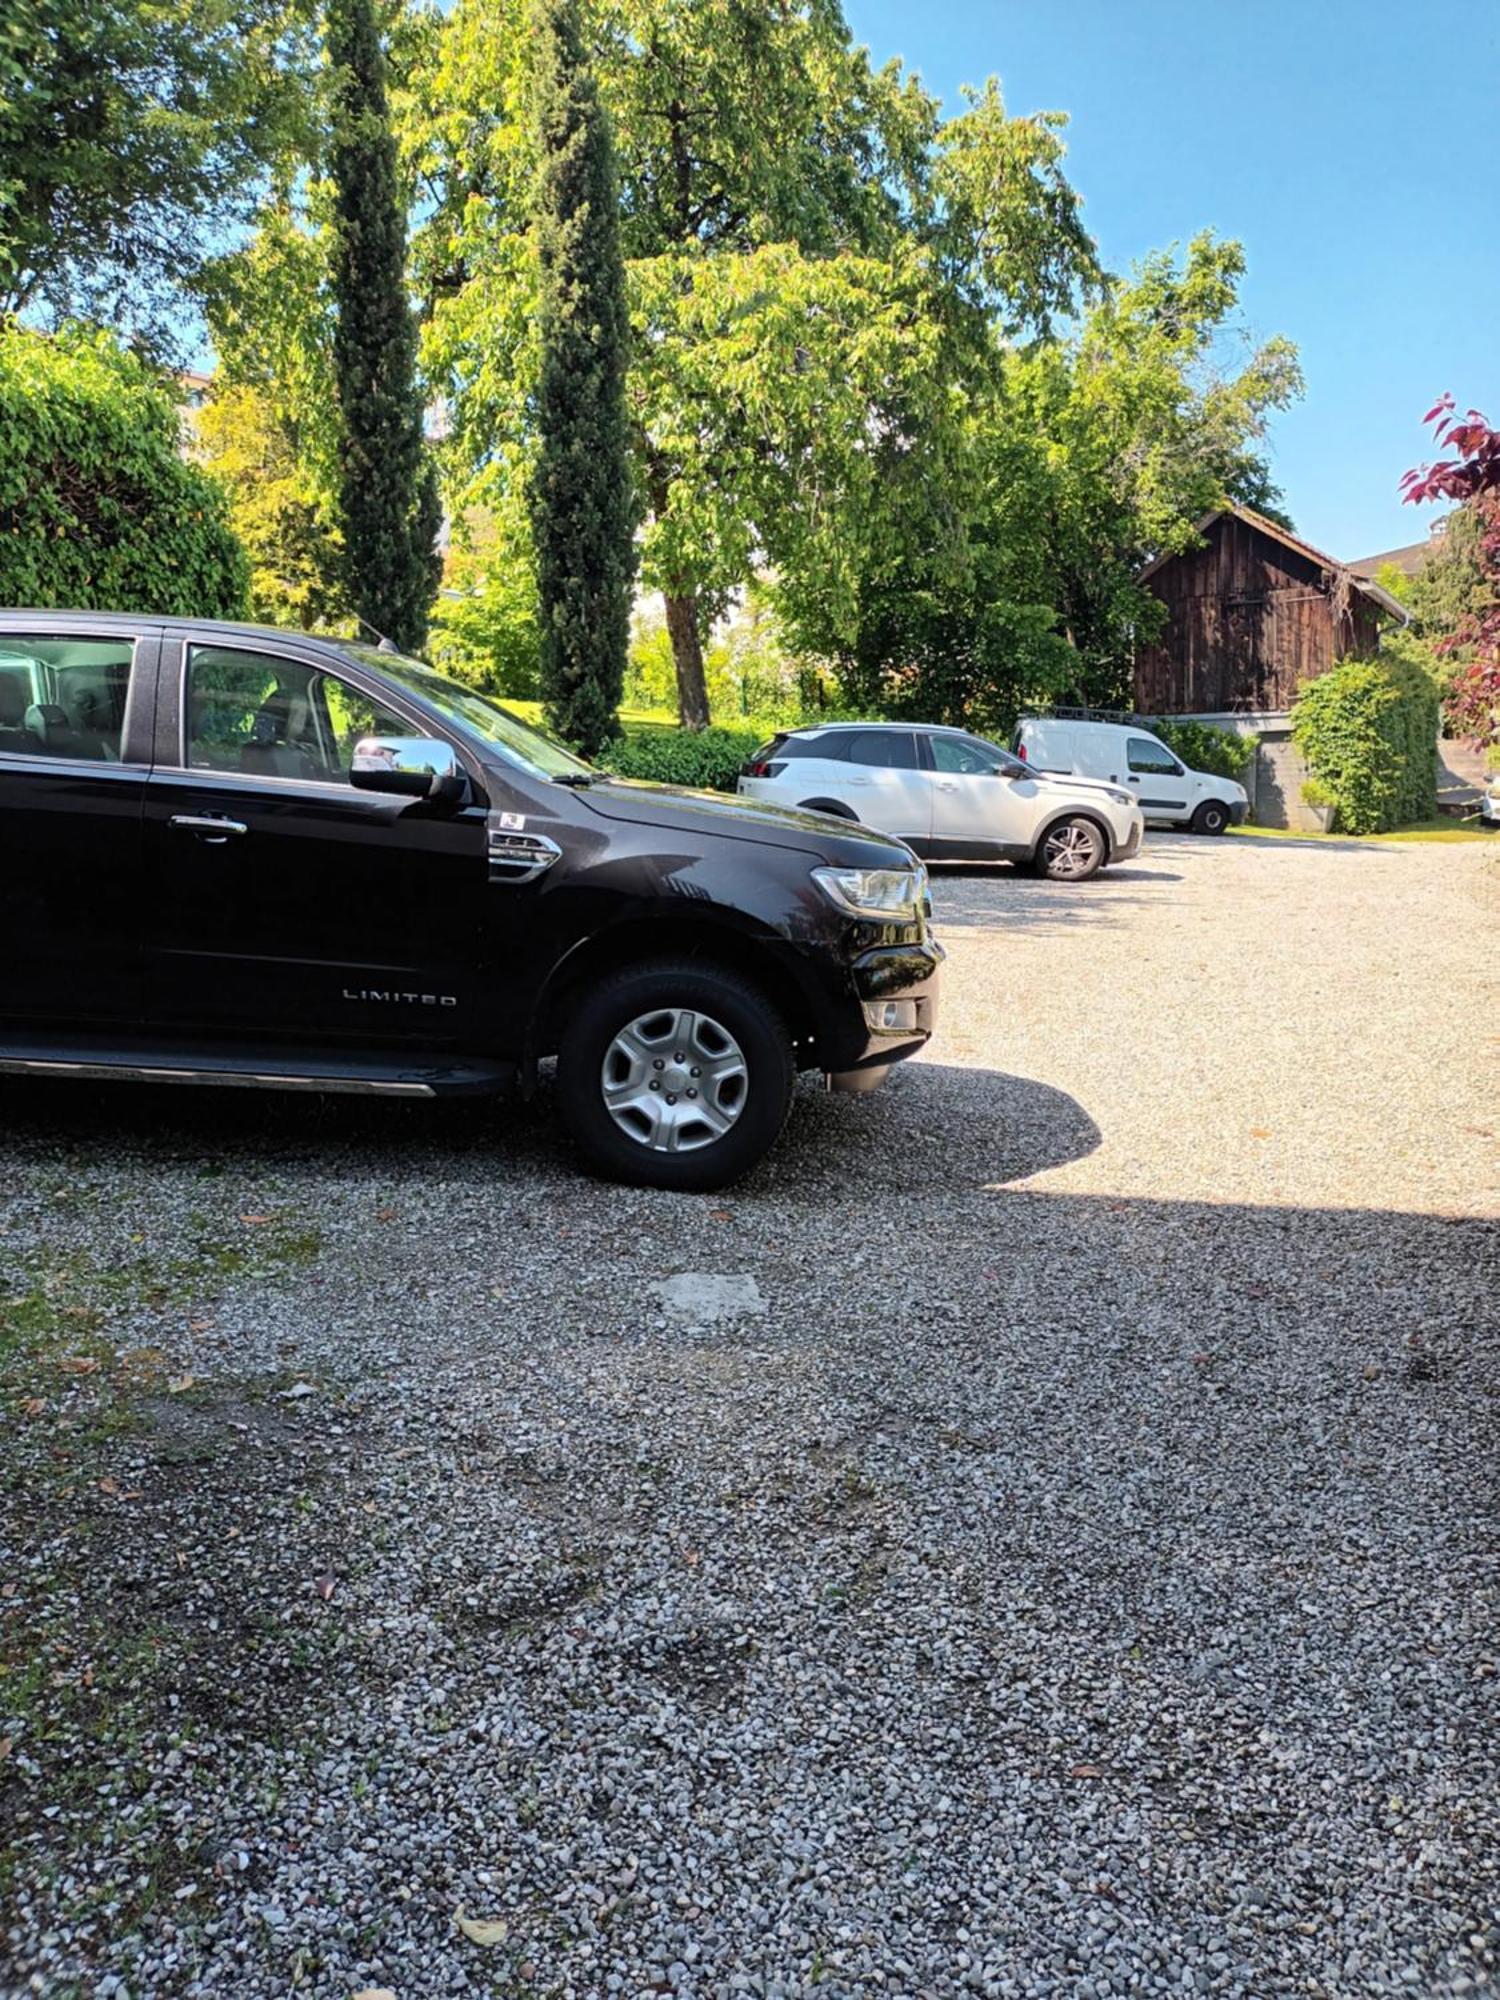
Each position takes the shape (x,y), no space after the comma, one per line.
(948,795)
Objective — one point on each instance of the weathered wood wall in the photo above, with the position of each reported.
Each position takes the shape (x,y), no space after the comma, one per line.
(1248,620)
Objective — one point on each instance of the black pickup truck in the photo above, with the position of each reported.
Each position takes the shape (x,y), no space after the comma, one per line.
(236,855)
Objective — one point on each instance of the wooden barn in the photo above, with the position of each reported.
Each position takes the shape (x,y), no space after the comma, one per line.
(1251,613)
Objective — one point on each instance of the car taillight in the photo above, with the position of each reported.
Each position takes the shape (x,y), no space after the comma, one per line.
(761,770)
(1021,753)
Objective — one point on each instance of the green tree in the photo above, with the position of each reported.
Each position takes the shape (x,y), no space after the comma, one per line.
(1012,581)
(810,246)
(388,500)
(269,429)
(97,506)
(132,136)
(583,507)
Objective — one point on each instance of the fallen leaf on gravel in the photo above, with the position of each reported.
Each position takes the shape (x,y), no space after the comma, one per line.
(7,1744)
(385,1215)
(482,1930)
(1087,1771)
(1260,1131)
(79,1364)
(255,1220)
(1372,1371)
(1202,1360)
(33,1406)
(176,1384)
(325,1587)
(110,1486)
(374,1993)
(199,1325)
(720,1215)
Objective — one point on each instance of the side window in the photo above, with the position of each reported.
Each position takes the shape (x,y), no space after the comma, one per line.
(269,717)
(1143,753)
(830,748)
(64,697)
(966,756)
(883,749)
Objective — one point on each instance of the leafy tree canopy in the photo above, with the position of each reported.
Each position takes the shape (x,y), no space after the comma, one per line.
(132,135)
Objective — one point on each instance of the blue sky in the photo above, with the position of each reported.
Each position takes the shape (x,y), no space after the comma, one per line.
(1352,145)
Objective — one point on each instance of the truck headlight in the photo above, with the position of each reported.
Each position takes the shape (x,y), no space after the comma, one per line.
(886,894)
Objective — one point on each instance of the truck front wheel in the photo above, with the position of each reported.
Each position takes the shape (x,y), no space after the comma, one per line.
(675,1075)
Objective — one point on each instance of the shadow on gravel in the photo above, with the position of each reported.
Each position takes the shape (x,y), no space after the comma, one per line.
(930,1128)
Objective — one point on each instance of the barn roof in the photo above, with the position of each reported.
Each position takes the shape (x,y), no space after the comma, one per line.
(1288,540)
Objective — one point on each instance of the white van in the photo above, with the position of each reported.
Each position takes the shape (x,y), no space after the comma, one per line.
(1123,753)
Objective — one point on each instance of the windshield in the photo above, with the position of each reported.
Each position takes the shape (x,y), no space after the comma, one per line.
(478,715)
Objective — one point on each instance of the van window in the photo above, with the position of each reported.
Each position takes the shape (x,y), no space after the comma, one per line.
(1144,753)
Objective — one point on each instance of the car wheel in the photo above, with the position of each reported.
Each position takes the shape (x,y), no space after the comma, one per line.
(1071,851)
(832,806)
(675,1075)
(1211,817)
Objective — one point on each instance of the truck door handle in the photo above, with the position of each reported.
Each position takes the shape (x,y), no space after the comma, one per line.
(212,829)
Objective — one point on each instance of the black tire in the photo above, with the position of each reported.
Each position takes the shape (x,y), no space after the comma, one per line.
(1211,817)
(1071,850)
(742,1015)
(833,806)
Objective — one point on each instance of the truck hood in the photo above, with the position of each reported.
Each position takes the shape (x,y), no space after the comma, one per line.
(836,841)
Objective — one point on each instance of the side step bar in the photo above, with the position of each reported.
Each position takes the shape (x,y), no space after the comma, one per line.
(264,1068)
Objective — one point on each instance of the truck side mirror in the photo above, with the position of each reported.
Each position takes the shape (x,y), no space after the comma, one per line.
(413,767)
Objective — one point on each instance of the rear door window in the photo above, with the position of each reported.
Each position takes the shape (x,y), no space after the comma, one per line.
(64,698)
(883,749)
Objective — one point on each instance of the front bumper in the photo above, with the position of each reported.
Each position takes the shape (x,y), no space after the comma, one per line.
(1237,812)
(1130,845)
(902,972)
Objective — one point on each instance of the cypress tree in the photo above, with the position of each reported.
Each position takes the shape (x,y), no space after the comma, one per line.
(582,506)
(388,499)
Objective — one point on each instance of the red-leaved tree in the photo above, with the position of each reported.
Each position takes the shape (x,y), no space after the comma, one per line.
(1470,475)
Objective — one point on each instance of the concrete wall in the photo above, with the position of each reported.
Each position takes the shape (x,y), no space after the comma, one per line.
(1276,777)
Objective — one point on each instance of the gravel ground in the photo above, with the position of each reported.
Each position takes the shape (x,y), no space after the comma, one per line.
(1059,1559)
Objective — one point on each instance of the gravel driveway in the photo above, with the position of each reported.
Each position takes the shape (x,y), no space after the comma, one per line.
(1059,1561)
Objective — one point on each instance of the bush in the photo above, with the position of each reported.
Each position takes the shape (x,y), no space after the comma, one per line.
(98,509)
(1222,752)
(1368,730)
(709,759)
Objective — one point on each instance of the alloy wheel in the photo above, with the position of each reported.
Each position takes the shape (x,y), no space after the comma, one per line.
(1071,850)
(674,1080)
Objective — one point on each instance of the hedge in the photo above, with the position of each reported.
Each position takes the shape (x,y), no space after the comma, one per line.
(709,759)
(1368,731)
(1222,752)
(98,509)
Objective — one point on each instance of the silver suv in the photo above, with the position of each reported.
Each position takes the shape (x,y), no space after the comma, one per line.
(948,795)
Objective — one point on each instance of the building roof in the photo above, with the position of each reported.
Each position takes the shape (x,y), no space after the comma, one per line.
(1288,540)
(1411,560)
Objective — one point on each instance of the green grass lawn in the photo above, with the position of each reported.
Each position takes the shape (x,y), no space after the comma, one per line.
(633,719)
(1427,829)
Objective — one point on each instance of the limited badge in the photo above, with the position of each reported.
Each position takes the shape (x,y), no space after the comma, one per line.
(513,822)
